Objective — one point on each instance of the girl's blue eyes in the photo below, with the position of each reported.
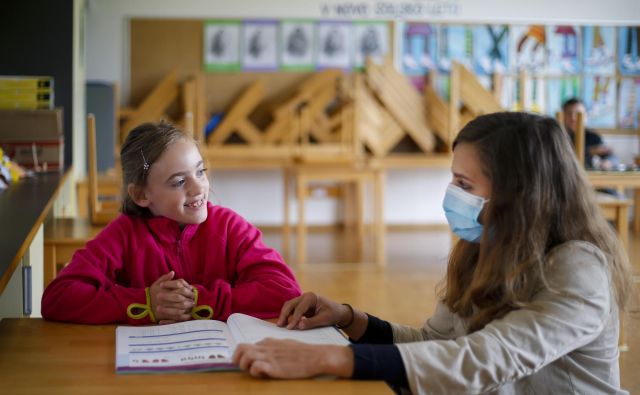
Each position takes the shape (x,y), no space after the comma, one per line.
(180,182)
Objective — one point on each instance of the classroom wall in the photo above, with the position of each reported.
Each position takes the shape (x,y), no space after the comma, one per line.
(412,196)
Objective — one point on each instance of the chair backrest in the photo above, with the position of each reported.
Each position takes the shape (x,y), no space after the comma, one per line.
(98,213)
(579,135)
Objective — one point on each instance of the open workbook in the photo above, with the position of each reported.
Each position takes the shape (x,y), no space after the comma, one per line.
(202,344)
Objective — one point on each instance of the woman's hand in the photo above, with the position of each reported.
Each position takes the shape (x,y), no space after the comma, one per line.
(289,359)
(171,300)
(310,311)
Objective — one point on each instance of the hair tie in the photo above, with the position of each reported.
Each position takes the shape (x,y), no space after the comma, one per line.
(145,165)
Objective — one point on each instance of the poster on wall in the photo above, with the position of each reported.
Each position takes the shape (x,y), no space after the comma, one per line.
(629,103)
(560,90)
(222,45)
(629,50)
(534,95)
(598,43)
(418,48)
(490,46)
(455,43)
(599,96)
(527,48)
(333,47)
(259,45)
(563,43)
(371,40)
(297,45)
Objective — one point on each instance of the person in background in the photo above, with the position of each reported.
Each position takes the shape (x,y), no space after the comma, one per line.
(596,154)
(171,255)
(532,294)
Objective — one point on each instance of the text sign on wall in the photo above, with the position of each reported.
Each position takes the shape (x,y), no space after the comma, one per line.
(390,9)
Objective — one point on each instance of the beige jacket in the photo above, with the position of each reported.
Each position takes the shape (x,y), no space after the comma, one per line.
(568,346)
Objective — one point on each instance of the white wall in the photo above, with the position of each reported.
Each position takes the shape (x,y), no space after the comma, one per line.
(412,196)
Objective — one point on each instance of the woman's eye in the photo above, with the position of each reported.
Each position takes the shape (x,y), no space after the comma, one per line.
(201,172)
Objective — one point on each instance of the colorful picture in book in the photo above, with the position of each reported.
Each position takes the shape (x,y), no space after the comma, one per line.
(527,47)
(629,103)
(490,49)
(599,96)
(629,50)
(371,40)
(560,90)
(418,48)
(222,45)
(455,43)
(297,45)
(563,49)
(334,45)
(598,43)
(259,45)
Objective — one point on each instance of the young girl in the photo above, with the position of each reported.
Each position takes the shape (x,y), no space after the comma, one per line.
(171,255)
(532,293)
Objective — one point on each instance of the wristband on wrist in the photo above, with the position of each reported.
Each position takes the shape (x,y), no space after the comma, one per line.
(353,316)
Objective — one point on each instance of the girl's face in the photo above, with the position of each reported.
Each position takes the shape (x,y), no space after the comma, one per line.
(467,171)
(177,185)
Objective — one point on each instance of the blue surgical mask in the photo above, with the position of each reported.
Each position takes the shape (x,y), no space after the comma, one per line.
(462,210)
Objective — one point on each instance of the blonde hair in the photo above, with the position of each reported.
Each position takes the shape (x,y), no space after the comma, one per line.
(540,199)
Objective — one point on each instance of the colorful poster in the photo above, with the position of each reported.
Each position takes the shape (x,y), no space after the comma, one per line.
(629,103)
(560,90)
(599,96)
(534,95)
(259,49)
(333,47)
(527,47)
(297,45)
(562,49)
(418,48)
(629,50)
(490,47)
(455,43)
(222,45)
(371,40)
(598,43)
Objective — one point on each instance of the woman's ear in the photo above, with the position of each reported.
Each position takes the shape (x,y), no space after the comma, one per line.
(138,195)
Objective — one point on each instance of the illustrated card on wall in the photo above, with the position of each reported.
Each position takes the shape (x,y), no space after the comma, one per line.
(563,43)
(490,46)
(334,45)
(222,45)
(297,45)
(534,97)
(259,49)
(560,90)
(371,40)
(455,44)
(629,103)
(629,50)
(598,43)
(527,46)
(418,48)
(599,96)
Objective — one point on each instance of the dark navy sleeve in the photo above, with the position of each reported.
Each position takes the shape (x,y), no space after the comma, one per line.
(377,358)
(377,332)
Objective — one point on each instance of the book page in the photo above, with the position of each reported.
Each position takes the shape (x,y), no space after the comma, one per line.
(246,329)
(193,345)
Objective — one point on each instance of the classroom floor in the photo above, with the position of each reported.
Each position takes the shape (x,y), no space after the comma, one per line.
(404,291)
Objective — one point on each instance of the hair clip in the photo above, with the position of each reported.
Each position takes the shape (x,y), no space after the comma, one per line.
(145,165)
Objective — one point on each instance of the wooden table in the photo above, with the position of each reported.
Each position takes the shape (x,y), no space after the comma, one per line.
(620,179)
(41,357)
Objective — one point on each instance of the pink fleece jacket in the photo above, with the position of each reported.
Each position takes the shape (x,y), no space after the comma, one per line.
(224,258)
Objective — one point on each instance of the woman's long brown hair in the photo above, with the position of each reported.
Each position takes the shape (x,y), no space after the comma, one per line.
(540,199)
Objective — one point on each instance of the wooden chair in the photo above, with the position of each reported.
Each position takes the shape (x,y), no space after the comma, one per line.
(100,211)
